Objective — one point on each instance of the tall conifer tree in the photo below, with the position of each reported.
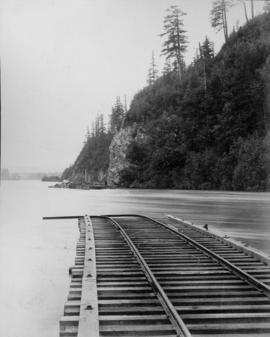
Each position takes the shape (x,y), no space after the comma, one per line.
(219,16)
(117,116)
(175,44)
(206,51)
(167,67)
(152,72)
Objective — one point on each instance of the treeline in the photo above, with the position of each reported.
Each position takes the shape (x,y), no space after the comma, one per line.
(207,130)
(94,156)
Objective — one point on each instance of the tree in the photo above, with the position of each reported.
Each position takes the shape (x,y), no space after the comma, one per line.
(117,116)
(245,9)
(207,49)
(175,44)
(125,104)
(219,16)
(102,128)
(252,8)
(97,126)
(206,55)
(250,172)
(266,7)
(87,135)
(152,72)
(167,67)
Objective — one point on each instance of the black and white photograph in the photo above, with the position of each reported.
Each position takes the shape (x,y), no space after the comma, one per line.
(135,168)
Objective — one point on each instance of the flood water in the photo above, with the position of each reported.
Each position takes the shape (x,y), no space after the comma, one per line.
(35,255)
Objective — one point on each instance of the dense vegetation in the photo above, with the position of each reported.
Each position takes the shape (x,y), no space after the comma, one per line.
(94,156)
(207,131)
(206,126)
(93,161)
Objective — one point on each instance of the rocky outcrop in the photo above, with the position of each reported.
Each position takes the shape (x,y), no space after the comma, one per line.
(89,177)
(119,150)
(118,155)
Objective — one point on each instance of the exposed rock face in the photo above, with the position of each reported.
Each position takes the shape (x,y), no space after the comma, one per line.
(89,177)
(118,160)
(118,153)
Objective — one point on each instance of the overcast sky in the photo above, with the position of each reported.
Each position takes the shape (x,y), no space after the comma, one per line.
(64,61)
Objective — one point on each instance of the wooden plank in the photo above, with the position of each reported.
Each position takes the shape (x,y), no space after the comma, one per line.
(132,328)
(231,327)
(227,240)
(88,319)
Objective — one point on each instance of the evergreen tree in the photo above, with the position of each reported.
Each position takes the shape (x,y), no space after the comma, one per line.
(97,126)
(87,136)
(206,55)
(207,49)
(175,44)
(117,116)
(152,72)
(102,128)
(125,104)
(219,16)
(93,130)
(167,67)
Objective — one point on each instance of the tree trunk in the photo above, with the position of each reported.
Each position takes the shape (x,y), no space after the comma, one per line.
(204,69)
(252,8)
(245,10)
(178,50)
(225,24)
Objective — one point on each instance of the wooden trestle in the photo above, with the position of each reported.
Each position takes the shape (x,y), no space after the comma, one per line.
(137,276)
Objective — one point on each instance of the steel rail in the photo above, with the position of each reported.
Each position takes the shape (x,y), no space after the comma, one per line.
(62,217)
(173,315)
(261,287)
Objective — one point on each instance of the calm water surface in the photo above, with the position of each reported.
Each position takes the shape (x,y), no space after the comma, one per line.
(35,254)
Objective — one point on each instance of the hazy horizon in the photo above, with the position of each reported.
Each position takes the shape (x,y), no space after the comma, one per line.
(65,61)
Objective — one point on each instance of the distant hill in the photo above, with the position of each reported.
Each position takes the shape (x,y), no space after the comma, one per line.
(211,131)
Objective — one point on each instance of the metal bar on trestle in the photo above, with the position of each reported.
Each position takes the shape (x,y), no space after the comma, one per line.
(62,217)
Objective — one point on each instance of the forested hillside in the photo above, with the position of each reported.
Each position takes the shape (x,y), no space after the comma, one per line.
(204,126)
(91,165)
(207,131)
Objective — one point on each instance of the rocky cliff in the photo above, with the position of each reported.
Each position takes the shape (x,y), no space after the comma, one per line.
(118,155)
(121,146)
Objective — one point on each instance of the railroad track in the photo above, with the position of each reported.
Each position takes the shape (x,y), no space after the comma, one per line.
(135,276)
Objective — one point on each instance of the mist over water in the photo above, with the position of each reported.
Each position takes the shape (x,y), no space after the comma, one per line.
(35,255)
